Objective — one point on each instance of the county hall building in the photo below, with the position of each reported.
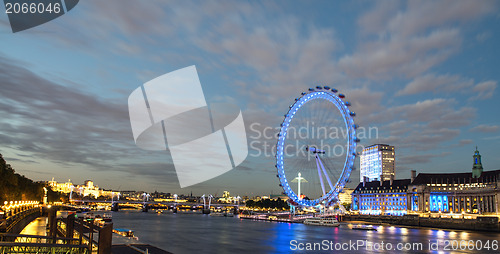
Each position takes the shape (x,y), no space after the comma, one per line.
(477,192)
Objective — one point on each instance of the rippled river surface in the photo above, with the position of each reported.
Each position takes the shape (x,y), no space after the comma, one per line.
(196,233)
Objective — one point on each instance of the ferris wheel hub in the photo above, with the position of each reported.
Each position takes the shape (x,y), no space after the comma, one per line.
(313,149)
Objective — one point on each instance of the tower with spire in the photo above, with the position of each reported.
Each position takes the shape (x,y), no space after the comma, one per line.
(477,167)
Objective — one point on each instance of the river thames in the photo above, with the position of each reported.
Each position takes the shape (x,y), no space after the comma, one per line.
(196,233)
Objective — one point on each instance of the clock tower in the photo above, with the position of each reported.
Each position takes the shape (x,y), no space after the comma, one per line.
(477,167)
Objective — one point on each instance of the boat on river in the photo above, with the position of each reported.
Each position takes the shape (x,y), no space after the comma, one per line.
(125,232)
(329,222)
(217,214)
(367,228)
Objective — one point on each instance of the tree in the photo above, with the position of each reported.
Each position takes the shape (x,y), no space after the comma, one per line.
(15,187)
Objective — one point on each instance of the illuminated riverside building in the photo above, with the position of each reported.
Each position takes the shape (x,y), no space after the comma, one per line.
(456,193)
(345,197)
(61,187)
(87,189)
(381,198)
(377,161)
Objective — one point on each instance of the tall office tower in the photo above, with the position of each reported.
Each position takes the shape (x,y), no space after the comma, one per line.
(376,161)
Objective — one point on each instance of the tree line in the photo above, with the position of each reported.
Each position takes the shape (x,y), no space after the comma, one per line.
(268,204)
(16,187)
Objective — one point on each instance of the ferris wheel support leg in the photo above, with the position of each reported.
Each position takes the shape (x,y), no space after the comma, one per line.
(326,175)
(319,174)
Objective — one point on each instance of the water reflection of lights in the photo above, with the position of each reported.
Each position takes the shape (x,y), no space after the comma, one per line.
(464,235)
(404,231)
(441,233)
(380,229)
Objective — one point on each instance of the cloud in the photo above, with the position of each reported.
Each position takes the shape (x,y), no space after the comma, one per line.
(263,56)
(485,90)
(481,37)
(420,158)
(23,160)
(492,138)
(419,17)
(366,103)
(436,83)
(50,121)
(405,42)
(375,20)
(485,128)
(464,142)
(449,84)
(432,111)
(401,57)
(422,126)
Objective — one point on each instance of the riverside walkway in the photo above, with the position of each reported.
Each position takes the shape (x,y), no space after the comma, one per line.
(71,235)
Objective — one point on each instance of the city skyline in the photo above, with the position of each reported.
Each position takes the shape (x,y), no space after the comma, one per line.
(427,85)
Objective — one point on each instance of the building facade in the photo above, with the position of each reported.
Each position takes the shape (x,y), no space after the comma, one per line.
(476,193)
(377,161)
(345,197)
(456,193)
(381,197)
(61,187)
(87,189)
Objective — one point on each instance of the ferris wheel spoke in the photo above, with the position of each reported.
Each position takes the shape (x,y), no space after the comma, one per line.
(324,171)
(320,177)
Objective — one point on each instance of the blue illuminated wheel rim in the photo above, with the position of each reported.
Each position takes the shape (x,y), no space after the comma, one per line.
(320,93)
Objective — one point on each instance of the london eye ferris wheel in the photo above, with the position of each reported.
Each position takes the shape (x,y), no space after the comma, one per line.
(316,147)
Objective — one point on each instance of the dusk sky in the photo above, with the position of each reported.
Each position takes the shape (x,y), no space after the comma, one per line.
(423,73)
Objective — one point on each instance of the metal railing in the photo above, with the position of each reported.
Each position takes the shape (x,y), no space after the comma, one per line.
(12,221)
(40,244)
(41,248)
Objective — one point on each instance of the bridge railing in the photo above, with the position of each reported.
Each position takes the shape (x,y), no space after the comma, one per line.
(10,222)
